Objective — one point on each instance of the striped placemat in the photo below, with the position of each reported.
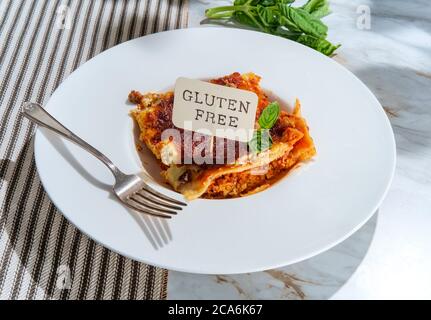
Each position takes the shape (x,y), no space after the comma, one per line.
(42,255)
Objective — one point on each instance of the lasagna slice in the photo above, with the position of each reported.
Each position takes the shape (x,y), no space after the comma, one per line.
(291,145)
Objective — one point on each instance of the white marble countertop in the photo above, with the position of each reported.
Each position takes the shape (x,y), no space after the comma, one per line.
(389,257)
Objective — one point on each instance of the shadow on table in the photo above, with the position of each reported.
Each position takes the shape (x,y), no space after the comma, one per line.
(157,232)
(323,275)
(315,278)
(46,244)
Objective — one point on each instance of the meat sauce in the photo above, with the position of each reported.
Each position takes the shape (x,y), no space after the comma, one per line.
(161,120)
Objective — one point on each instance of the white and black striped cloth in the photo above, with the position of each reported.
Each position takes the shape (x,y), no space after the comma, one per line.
(42,255)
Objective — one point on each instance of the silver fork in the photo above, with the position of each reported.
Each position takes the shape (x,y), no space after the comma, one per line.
(131,190)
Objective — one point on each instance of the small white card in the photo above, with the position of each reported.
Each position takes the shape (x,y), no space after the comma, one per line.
(214,109)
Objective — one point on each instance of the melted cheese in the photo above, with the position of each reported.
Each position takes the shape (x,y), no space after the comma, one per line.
(202,179)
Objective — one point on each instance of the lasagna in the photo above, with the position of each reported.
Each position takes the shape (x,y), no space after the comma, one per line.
(291,145)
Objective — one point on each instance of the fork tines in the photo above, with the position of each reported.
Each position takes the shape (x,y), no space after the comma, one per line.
(149,201)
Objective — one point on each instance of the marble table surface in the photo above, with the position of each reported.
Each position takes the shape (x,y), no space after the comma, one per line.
(390,256)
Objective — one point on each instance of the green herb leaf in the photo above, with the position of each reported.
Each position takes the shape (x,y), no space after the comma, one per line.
(290,25)
(317,8)
(285,33)
(299,19)
(265,3)
(268,3)
(261,141)
(269,115)
(253,144)
(278,17)
(268,15)
(265,140)
(321,45)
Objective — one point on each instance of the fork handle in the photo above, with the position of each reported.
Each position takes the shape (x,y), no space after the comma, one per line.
(35,113)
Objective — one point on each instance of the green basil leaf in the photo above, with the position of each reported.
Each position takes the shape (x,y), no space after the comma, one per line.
(278,17)
(284,19)
(255,2)
(261,141)
(254,143)
(286,33)
(321,45)
(269,115)
(308,24)
(268,3)
(265,3)
(272,3)
(265,140)
(298,19)
(267,15)
(286,22)
(317,8)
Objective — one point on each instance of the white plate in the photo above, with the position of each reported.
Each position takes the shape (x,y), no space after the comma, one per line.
(306,213)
